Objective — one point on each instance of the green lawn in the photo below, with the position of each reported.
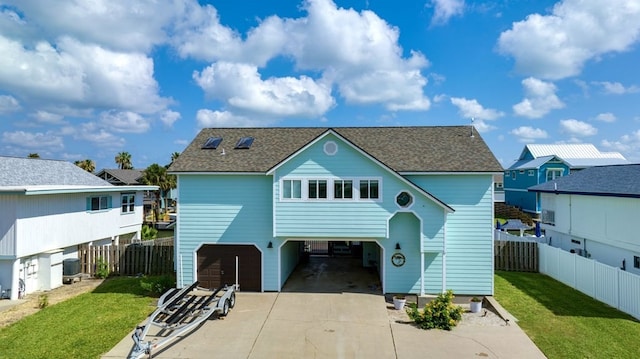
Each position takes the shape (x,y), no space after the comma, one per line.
(82,327)
(563,322)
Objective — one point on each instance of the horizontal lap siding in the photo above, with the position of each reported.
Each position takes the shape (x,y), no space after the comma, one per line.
(7,225)
(469,241)
(357,218)
(225,209)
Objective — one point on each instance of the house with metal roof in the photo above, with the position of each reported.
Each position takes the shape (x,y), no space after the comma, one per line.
(591,213)
(539,163)
(49,208)
(413,204)
(119,177)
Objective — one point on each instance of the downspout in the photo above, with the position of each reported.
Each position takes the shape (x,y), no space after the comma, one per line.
(421,270)
(444,254)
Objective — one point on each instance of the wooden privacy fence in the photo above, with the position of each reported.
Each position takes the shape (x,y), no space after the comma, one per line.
(516,256)
(127,259)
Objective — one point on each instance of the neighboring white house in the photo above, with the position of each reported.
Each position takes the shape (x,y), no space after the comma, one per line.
(47,209)
(595,213)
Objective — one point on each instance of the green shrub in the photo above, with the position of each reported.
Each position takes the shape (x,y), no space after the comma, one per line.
(148,233)
(157,285)
(43,301)
(102,268)
(440,313)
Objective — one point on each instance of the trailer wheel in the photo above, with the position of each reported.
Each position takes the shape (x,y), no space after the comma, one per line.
(232,300)
(225,308)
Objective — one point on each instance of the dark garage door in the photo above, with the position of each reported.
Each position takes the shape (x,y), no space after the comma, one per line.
(217,265)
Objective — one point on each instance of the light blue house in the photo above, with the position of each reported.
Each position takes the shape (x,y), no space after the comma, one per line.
(539,163)
(419,201)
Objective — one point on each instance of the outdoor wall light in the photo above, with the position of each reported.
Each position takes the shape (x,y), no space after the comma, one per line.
(398,246)
(270,245)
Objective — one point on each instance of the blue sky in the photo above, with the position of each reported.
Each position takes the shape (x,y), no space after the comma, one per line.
(91,79)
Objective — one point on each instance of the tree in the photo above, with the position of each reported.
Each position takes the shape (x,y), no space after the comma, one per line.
(87,165)
(123,160)
(174,156)
(33,155)
(156,175)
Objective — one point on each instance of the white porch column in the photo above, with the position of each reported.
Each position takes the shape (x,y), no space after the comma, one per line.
(421,273)
(15,279)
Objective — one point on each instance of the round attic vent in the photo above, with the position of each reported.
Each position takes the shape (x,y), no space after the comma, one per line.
(330,148)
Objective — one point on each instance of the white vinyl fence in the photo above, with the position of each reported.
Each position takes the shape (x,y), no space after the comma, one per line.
(607,284)
(499,235)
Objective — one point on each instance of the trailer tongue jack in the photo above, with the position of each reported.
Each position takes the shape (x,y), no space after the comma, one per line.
(179,312)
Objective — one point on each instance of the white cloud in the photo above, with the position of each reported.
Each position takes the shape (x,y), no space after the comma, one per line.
(169,117)
(540,99)
(8,104)
(628,145)
(616,88)
(124,121)
(79,75)
(356,51)
(473,109)
(439,98)
(47,117)
(208,118)
(606,117)
(577,128)
(557,45)
(119,25)
(95,133)
(445,9)
(528,134)
(242,88)
(33,141)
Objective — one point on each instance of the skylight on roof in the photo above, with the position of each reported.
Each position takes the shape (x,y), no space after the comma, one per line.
(212,143)
(244,142)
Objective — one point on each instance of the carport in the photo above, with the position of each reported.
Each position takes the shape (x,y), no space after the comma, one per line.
(335,266)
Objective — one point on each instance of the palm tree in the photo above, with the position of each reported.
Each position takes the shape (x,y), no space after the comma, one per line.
(33,155)
(123,160)
(156,175)
(174,156)
(87,165)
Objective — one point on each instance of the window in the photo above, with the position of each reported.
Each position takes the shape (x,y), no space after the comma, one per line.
(212,143)
(531,172)
(317,189)
(499,185)
(292,189)
(342,189)
(513,174)
(521,172)
(548,217)
(98,203)
(128,203)
(369,189)
(330,148)
(636,262)
(404,199)
(553,174)
(244,143)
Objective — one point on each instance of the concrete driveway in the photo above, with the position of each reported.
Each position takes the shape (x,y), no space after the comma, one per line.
(338,325)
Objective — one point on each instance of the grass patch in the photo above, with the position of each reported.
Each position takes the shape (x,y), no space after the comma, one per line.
(85,326)
(563,322)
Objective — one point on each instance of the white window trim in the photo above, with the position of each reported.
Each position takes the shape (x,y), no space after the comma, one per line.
(128,195)
(355,182)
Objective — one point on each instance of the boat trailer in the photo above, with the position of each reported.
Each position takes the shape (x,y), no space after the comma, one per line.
(179,312)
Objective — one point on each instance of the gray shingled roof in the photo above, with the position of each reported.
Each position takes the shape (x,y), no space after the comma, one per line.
(16,171)
(403,149)
(616,181)
(127,177)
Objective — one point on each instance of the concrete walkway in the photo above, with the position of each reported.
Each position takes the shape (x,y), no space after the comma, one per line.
(334,325)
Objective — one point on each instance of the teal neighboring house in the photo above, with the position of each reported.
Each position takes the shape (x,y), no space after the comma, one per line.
(540,163)
(417,201)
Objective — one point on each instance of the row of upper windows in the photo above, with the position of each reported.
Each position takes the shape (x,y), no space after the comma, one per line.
(552,173)
(101,203)
(321,189)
